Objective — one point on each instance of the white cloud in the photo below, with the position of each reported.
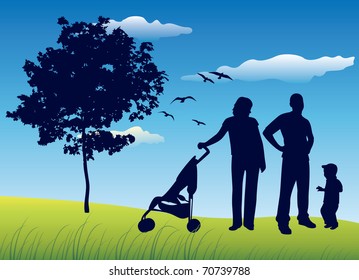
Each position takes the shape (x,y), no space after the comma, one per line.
(285,67)
(141,136)
(139,28)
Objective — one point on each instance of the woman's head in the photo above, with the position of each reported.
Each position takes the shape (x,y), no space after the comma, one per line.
(242,107)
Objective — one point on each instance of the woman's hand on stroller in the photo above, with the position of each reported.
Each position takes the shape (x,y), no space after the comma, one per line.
(201,145)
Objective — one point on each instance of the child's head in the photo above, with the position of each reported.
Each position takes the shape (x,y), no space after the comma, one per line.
(330,170)
(242,107)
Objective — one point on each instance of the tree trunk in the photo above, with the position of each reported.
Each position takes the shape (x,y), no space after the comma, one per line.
(87,180)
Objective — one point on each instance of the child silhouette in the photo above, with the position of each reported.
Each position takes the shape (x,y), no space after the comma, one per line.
(331,196)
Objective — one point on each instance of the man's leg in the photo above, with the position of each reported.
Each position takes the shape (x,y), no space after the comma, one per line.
(286,188)
(250,200)
(303,194)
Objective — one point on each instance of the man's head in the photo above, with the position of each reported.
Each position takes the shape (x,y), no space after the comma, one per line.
(242,107)
(296,102)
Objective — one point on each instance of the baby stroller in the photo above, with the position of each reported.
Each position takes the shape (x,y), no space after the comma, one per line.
(173,202)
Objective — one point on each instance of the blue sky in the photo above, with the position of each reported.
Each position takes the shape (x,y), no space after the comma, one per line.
(229,33)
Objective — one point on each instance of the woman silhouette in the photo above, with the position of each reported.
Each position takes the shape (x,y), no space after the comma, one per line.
(247,157)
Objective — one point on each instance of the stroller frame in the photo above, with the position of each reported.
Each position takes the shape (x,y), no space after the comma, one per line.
(186,178)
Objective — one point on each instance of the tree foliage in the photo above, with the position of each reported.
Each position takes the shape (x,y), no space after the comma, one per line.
(93,79)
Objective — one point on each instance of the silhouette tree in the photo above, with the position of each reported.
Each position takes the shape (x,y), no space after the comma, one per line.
(89,82)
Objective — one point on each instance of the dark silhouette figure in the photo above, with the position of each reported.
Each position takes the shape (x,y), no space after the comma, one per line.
(331,196)
(198,122)
(247,157)
(221,75)
(167,114)
(94,78)
(205,79)
(183,99)
(298,141)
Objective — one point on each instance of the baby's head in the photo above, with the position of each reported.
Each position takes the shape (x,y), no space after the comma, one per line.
(330,170)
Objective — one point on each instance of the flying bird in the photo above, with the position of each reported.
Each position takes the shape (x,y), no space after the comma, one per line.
(167,115)
(182,99)
(198,122)
(221,75)
(205,79)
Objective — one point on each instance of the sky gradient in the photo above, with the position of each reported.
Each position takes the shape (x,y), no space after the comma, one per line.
(228,33)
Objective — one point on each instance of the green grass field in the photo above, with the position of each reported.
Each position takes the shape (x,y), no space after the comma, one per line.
(52,229)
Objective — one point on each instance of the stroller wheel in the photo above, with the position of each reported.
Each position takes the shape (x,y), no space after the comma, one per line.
(146,225)
(193,225)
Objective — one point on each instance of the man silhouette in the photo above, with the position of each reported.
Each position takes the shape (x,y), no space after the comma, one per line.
(298,141)
(247,157)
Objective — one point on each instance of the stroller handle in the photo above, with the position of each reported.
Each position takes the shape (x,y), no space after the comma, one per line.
(204,155)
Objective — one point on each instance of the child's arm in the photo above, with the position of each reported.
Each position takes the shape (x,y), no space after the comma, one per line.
(320,189)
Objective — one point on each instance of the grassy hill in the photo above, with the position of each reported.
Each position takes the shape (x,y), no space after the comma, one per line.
(52,229)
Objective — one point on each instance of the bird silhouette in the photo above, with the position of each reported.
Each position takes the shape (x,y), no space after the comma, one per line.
(205,79)
(221,75)
(182,99)
(167,115)
(198,122)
